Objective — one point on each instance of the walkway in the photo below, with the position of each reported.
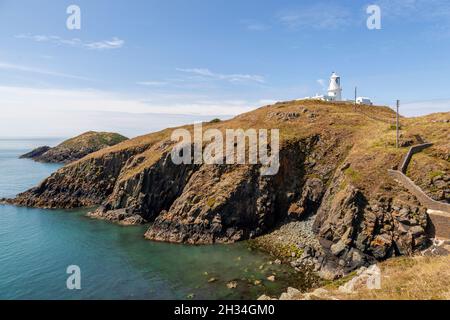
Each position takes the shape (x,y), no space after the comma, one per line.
(439,212)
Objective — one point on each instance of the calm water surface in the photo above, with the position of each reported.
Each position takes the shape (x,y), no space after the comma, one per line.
(36,247)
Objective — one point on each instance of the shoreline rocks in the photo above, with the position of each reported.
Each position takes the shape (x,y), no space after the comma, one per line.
(120,216)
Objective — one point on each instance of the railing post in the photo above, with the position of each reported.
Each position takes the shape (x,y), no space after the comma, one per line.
(398,125)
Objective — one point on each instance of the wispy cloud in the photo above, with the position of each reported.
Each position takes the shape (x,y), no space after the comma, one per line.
(234,78)
(425,107)
(415,9)
(28,101)
(28,111)
(114,43)
(434,15)
(321,83)
(22,68)
(318,16)
(253,25)
(152,83)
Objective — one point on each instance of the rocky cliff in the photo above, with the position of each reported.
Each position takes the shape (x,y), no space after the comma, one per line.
(333,171)
(36,153)
(75,148)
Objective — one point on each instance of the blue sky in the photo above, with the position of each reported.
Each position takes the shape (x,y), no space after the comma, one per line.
(137,66)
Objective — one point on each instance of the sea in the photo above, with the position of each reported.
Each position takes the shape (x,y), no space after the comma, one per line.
(38,249)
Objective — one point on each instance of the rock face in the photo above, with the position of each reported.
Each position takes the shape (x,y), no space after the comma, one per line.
(83,184)
(36,153)
(354,232)
(75,148)
(331,174)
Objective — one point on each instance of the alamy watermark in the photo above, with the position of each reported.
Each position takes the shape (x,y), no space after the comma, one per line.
(373,22)
(374,19)
(73,282)
(373,281)
(73,22)
(213,147)
(366,278)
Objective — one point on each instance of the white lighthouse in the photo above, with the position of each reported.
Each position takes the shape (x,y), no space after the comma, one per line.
(334,89)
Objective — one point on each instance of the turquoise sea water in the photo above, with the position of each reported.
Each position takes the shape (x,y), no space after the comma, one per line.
(37,246)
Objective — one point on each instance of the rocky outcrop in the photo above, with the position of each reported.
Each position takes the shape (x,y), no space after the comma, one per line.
(210,203)
(75,148)
(143,196)
(218,205)
(83,184)
(231,203)
(36,153)
(355,231)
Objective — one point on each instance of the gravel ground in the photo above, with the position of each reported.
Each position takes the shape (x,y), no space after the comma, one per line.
(288,241)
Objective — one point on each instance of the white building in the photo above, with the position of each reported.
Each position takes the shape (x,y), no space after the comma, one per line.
(334,93)
(334,89)
(364,100)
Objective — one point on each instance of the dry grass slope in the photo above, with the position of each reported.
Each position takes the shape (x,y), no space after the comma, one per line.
(417,278)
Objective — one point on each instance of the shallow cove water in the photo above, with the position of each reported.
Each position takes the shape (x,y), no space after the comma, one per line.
(37,246)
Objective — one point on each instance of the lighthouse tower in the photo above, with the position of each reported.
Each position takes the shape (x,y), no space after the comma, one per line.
(335,90)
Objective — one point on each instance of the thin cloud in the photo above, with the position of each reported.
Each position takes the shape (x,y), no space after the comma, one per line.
(321,83)
(152,83)
(420,108)
(114,43)
(415,9)
(234,78)
(28,101)
(253,25)
(21,68)
(434,16)
(317,16)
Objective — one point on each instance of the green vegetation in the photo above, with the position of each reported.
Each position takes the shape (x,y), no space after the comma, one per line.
(211,202)
(435,174)
(353,175)
(283,251)
(335,284)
